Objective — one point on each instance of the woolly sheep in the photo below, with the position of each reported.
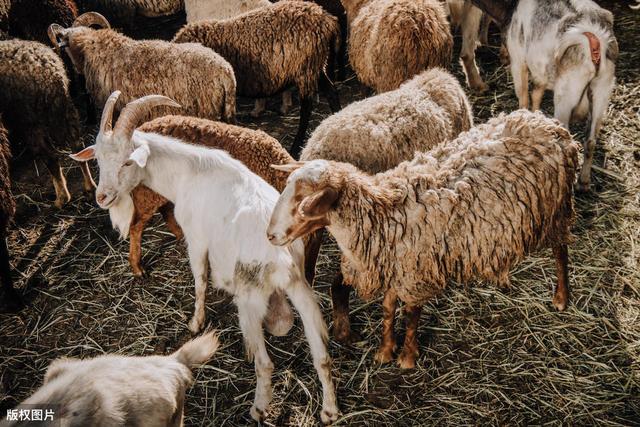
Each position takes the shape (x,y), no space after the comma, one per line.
(201,80)
(7,210)
(273,48)
(31,73)
(115,390)
(223,209)
(378,133)
(390,41)
(254,148)
(469,209)
(29,19)
(575,57)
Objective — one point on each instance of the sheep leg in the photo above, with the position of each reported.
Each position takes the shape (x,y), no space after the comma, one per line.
(342,52)
(138,223)
(59,181)
(259,107)
(311,251)
(252,307)
(561,295)
(198,261)
(340,299)
(315,330)
(520,74)
(536,97)
(388,344)
(166,211)
(407,359)
(470,28)
(88,183)
(306,105)
(329,91)
(287,102)
(11,296)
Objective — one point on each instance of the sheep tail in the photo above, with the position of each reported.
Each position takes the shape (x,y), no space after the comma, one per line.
(198,350)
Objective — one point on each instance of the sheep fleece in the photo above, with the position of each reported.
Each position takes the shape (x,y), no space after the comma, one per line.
(271,48)
(390,41)
(469,209)
(7,203)
(379,132)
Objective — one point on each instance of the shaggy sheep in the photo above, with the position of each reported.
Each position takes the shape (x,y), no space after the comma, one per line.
(115,390)
(223,209)
(37,107)
(7,210)
(273,48)
(378,133)
(29,19)
(469,209)
(5,6)
(201,80)
(199,10)
(390,41)
(575,57)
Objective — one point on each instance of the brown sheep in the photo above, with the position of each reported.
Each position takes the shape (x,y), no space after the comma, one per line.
(7,210)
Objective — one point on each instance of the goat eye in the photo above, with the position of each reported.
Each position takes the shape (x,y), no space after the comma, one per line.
(127,163)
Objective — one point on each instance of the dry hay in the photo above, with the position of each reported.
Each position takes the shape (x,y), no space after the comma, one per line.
(487,357)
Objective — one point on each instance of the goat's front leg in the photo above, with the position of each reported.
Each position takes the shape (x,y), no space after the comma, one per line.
(88,184)
(315,330)
(388,344)
(198,261)
(520,73)
(252,307)
(407,359)
(136,228)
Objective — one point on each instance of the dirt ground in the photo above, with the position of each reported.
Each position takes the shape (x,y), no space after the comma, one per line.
(487,356)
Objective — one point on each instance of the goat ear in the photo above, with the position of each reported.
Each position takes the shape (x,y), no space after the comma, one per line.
(319,203)
(288,167)
(140,155)
(84,155)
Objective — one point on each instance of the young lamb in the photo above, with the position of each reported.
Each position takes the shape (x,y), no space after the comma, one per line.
(574,56)
(297,37)
(469,209)
(254,148)
(37,107)
(378,133)
(200,79)
(223,210)
(7,210)
(468,18)
(115,390)
(390,41)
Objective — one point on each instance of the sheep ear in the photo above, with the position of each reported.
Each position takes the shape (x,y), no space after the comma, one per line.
(85,155)
(319,203)
(288,167)
(140,155)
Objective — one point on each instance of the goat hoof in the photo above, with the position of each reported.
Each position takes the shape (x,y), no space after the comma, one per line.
(139,272)
(61,201)
(583,187)
(407,361)
(559,302)
(195,326)
(257,414)
(480,87)
(329,416)
(383,356)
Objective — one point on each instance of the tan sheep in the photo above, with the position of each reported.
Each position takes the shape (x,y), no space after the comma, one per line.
(378,133)
(114,390)
(470,209)
(390,41)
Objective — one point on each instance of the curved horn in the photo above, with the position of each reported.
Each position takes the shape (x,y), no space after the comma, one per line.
(107,112)
(53,31)
(135,111)
(91,18)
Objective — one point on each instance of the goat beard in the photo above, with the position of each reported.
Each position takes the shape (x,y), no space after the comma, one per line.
(121,214)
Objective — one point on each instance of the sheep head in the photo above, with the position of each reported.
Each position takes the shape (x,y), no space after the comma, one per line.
(62,38)
(304,204)
(121,162)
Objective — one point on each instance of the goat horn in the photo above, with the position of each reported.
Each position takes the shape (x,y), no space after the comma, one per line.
(91,18)
(107,112)
(135,111)
(53,31)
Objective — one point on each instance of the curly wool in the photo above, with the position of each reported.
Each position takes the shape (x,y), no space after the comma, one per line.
(379,132)
(129,8)
(34,95)
(390,41)
(470,209)
(29,19)
(271,48)
(198,10)
(7,203)
(200,80)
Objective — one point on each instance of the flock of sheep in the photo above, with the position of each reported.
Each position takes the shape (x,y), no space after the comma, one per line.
(414,192)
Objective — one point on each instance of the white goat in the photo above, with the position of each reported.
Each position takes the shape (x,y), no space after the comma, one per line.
(567,46)
(223,209)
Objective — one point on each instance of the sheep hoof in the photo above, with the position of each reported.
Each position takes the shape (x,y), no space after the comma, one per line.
(583,187)
(479,87)
(384,355)
(138,272)
(257,414)
(61,201)
(559,302)
(407,361)
(329,416)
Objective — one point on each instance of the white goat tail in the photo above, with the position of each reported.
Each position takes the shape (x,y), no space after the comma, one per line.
(198,350)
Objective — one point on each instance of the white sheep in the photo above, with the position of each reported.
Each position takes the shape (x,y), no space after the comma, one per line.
(567,47)
(223,209)
(115,390)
